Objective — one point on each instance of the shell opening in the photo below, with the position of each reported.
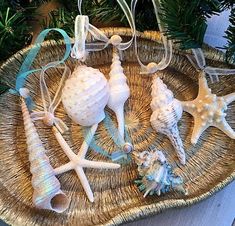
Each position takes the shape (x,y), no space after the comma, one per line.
(59,203)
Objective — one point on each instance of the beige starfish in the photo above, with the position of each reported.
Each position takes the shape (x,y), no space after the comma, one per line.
(78,161)
(208,110)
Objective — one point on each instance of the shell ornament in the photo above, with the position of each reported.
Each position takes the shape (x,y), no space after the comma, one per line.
(85,96)
(47,193)
(208,109)
(156,176)
(119,93)
(167,111)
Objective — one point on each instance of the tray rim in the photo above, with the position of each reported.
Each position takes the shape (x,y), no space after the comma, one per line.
(138,213)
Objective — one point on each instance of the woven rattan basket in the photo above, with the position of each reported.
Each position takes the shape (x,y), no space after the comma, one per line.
(210,164)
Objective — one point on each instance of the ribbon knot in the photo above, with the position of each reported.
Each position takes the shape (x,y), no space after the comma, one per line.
(49,119)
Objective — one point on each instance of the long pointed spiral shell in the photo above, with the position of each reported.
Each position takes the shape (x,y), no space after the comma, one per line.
(85,96)
(119,90)
(47,193)
(167,111)
(156,175)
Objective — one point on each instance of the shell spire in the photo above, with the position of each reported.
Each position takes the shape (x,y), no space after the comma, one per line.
(47,193)
(167,111)
(119,93)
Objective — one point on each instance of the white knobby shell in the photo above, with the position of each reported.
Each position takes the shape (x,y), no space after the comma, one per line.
(85,96)
(167,111)
(119,90)
(47,193)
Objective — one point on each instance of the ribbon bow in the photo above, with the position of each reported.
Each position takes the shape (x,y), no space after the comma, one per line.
(49,105)
(82,27)
(199,62)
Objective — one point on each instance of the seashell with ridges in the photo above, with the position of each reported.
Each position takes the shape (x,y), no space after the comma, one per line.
(85,95)
(119,93)
(167,111)
(47,193)
(156,175)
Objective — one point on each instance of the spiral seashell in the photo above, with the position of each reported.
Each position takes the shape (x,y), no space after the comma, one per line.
(47,193)
(119,91)
(167,111)
(156,175)
(85,96)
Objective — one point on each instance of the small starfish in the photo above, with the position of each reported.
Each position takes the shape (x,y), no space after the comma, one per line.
(78,162)
(208,110)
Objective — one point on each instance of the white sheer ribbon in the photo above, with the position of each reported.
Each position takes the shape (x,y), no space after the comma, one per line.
(165,61)
(82,27)
(199,62)
(49,105)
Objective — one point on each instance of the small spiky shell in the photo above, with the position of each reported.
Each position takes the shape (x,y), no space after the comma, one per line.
(156,175)
(47,193)
(85,96)
(167,111)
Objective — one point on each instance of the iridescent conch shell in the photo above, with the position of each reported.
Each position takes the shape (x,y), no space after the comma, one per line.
(167,111)
(156,175)
(119,93)
(47,193)
(85,96)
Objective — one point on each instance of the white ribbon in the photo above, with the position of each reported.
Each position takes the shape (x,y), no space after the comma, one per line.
(199,62)
(49,105)
(165,61)
(82,27)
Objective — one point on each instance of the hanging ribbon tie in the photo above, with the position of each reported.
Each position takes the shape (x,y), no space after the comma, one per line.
(25,70)
(153,67)
(49,105)
(48,114)
(82,27)
(198,61)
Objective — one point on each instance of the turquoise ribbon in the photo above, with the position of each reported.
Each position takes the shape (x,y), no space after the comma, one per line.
(25,68)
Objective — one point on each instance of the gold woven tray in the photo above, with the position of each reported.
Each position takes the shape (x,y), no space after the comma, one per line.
(210,164)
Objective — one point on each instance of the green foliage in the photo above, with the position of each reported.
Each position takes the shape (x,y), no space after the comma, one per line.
(14,31)
(107,12)
(230,35)
(60,18)
(185,20)
(227,4)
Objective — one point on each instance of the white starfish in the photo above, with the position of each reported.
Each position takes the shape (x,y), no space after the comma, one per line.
(78,162)
(208,110)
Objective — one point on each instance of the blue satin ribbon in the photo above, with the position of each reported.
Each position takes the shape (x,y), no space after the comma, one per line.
(25,68)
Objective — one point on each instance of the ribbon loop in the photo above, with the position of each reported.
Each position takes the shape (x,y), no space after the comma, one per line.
(81,29)
(165,61)
(198,61)
(49,105)
(25,68)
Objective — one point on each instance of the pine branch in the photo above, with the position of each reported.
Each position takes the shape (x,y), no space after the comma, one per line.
(185,20)
(227,4)
(60,18)
(14,32)
(230,36)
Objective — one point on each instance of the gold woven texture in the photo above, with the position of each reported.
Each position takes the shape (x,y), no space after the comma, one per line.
(210,164)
